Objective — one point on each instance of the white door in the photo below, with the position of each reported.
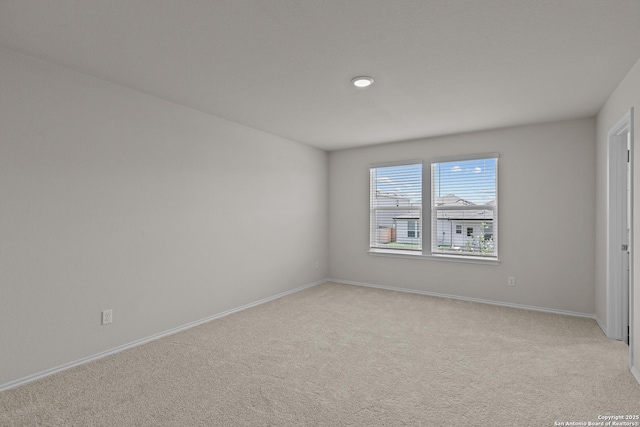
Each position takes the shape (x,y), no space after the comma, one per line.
(619,214)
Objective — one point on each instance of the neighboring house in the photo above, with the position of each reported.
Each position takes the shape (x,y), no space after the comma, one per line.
(461,228)
(387,220)
(456,228)
(408,229)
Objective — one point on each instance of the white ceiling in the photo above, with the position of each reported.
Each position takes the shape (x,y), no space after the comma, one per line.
(284,66)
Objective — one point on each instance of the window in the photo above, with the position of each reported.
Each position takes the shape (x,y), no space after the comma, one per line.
(396,206)
(464,192)
(488,231)
(413,230)
(462,218)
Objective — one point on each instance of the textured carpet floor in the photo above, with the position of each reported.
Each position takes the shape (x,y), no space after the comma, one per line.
(340,355)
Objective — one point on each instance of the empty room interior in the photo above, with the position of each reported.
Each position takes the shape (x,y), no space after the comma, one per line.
(291,212)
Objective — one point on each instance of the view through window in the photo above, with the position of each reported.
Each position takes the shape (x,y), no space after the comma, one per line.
(462,217)
(396,207)
(464,196)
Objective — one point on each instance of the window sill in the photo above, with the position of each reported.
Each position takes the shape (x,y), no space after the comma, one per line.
(433,257)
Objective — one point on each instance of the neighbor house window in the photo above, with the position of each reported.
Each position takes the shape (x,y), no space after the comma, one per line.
(396,206)
(488,231)
(462,197)
(413,229)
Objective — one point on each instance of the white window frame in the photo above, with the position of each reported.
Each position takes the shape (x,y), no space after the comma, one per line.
(426,234)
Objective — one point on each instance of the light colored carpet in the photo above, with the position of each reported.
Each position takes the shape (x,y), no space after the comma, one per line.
(341,355)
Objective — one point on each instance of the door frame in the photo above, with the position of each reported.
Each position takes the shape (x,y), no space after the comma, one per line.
(619,194)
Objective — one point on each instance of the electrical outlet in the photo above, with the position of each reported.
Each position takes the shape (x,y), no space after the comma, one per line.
(511,281)
(107,316)
(317,265)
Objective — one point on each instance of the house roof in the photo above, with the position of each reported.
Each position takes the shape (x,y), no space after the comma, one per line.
(466,215)
(456,214)
(463,214)
(391,195)
(452,199)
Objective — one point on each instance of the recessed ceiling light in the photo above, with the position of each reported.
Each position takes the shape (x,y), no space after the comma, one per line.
(362,81)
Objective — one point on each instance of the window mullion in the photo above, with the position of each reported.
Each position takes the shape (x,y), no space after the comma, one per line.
(426,207)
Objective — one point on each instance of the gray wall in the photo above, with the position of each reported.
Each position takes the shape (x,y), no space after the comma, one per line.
(626,95)
(546,225)
(113,199)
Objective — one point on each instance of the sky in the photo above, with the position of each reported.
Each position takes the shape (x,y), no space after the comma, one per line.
(472,180)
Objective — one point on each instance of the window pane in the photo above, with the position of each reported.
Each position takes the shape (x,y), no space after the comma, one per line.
(396,207)
(464,207)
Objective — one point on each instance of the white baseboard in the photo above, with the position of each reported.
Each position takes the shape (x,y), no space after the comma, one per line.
(457,297)
(604,328)
(46,373)
(42,374)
